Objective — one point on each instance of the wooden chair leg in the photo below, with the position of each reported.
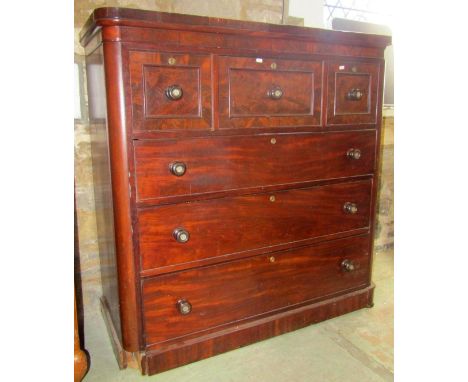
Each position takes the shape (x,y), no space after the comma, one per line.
(81,361)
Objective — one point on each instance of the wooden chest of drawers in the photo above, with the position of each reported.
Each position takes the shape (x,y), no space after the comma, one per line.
(235,169)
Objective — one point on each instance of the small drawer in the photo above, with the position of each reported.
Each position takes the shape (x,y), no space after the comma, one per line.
(266,92)
(247,162)
(182,233)
(186,302)
(170,91)
(352,93)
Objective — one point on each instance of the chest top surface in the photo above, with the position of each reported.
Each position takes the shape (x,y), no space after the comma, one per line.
(127,17)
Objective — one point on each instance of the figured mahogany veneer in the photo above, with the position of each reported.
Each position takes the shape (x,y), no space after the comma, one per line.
(238,290)
(245,84)
(343,78)
(170,354)
(235,171)
(248,162)
(152,73)
(261,221)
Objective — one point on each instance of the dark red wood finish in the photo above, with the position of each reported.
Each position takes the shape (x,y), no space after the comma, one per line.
(244,42)
(343,77)
(118,150)
(108,17)
(110,175)
(152,73)
(248,162)
(223,128)
(244,84)
(175,353)
(238,290)
(102,184)
(238,224)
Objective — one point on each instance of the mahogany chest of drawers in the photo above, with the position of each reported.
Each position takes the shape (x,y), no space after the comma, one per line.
(235,169)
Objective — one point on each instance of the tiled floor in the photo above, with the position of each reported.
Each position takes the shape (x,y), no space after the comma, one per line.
(355,347)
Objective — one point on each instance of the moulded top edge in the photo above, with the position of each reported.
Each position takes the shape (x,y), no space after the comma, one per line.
(140,18)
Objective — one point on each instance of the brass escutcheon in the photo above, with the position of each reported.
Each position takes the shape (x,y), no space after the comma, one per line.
(273,65)
(272,198)
(273,141)
(272,259)
(171,61)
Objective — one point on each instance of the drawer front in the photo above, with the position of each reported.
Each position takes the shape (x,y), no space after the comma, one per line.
(170,91)
(252,222)
(265,92)
(352,92)
(227,163)
(237,290)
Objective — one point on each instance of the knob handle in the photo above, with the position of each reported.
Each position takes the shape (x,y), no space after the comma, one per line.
(350,208)
(275,93)
(184,307)
(355,95)
(347,265)
(178,168)
(181,235)
(354,154)
(174,92)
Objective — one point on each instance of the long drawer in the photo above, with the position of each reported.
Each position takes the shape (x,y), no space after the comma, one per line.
(192,166)
(182,233)
(191,301)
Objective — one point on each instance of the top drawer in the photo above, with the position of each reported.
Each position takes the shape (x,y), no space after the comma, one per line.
(352,92)
(265,92)
(170,91)
(194,166)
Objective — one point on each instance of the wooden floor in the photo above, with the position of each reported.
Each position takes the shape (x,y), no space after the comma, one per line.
(357,347)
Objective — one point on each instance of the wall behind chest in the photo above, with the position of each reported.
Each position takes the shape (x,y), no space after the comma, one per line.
(384,234)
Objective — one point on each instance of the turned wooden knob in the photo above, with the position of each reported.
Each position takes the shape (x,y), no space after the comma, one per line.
(350,208)
(355,95)
(178,168)
(181,235)
(347,265)
(275,93)
(354,154)
(174,92)
(184,307)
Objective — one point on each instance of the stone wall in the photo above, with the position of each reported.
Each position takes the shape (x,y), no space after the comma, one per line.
(254,10)
(384,228)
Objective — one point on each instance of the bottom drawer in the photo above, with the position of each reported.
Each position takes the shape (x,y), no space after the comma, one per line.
(190,301)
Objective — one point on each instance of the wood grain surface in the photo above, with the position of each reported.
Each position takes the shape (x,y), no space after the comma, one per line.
(238,290)
(344,76)
(244,83)
(152,73)
(237,224)
(265,183)
(248,162)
